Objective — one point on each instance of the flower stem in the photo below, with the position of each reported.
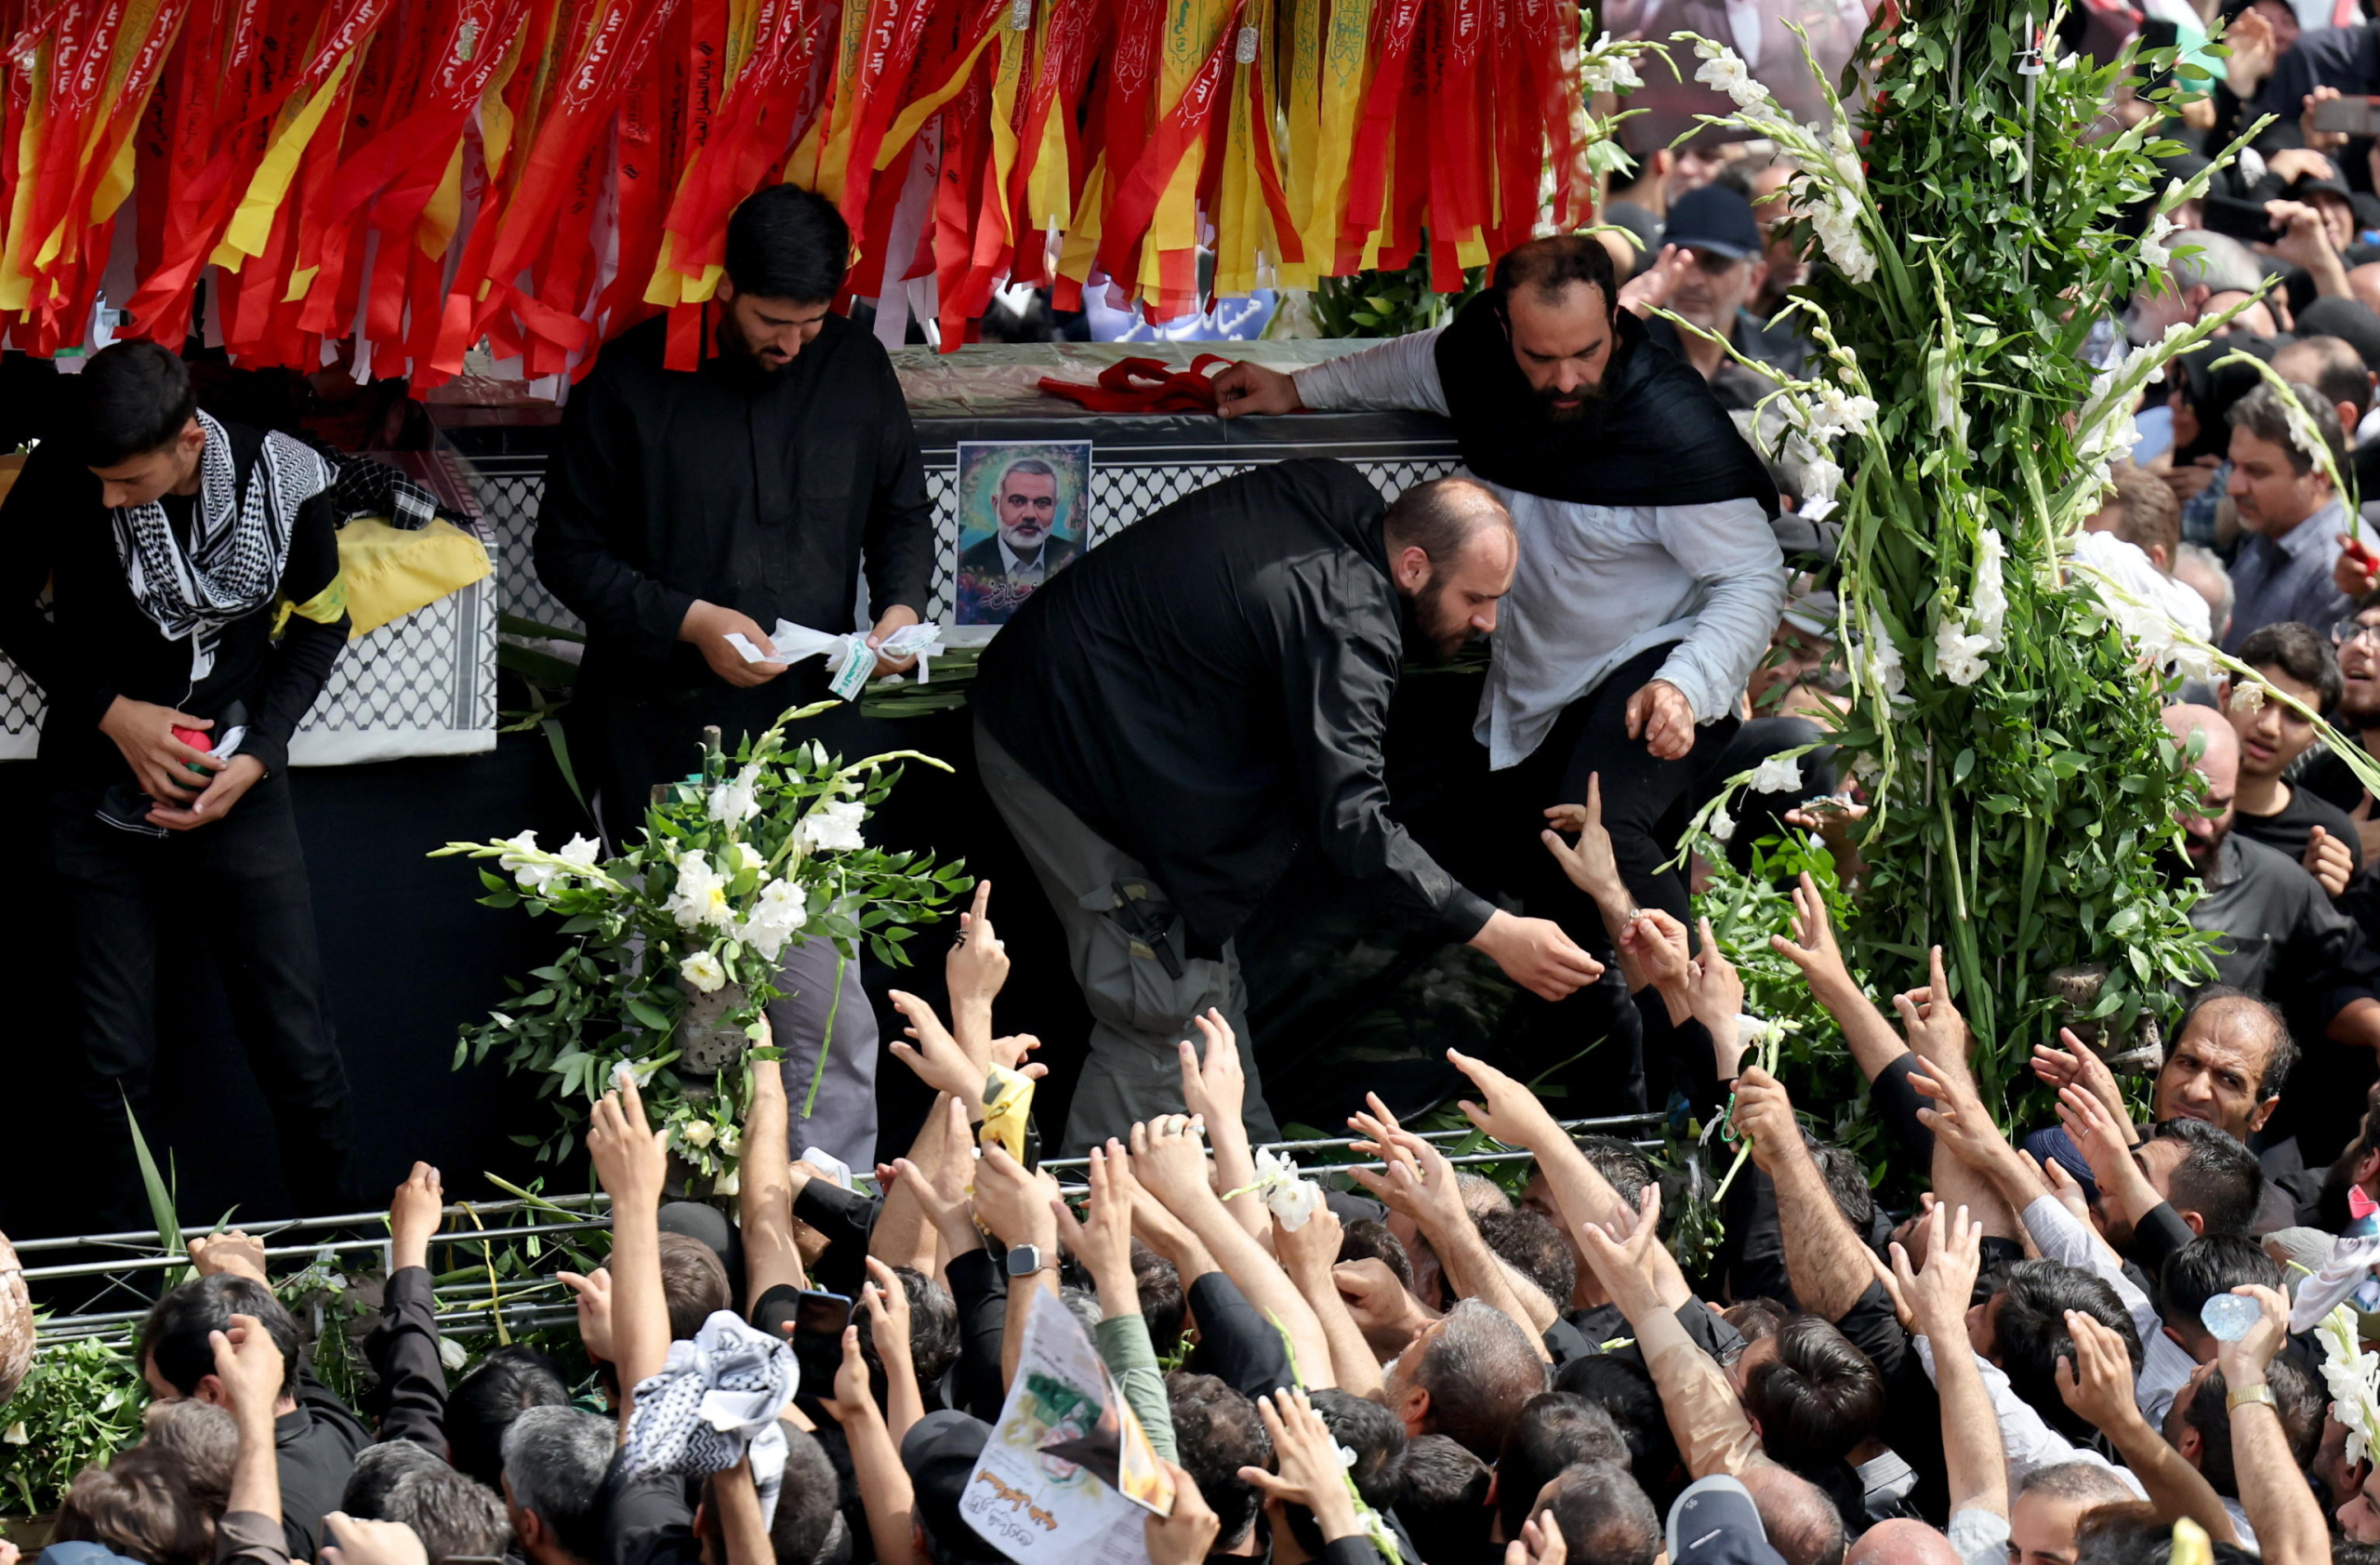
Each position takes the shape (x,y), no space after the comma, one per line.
(810,1104)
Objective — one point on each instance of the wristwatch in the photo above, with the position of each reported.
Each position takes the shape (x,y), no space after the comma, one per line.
(2241,1396)
(1024,1260)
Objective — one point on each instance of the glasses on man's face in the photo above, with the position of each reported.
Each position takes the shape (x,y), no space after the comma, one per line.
(2347,632)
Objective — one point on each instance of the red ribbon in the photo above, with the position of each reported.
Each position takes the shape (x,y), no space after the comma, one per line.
(1144,386)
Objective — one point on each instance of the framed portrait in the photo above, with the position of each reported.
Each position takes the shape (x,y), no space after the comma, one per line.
(1023,515)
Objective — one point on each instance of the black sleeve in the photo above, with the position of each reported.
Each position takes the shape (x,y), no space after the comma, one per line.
(1755,1241)
(1336,680)
(1686,1043)
(2325,957)
(402,1350)
(1898,1102)
(845,1218)
(301,660)
(42,502)
(1235,1344)
(980,1289)
(592,507)
(325,1405)
(2157,1236)
(1355,1549)
(900,540)
(649,1520)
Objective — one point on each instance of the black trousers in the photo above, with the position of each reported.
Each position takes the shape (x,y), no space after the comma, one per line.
(1646,802)
(238,887)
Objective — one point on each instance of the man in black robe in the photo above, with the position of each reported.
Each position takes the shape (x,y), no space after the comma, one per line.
(688,505)
(1165,722)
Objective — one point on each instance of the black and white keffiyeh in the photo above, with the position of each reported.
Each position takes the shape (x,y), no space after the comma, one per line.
(239,543)
(716,1398)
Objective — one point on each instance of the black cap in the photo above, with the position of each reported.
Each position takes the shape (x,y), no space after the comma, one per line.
(2349,320)
(939,1453)
(1714,1522)
(1715,219)
(2305,187)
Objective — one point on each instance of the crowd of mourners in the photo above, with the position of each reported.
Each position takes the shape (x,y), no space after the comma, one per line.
(1428,1363)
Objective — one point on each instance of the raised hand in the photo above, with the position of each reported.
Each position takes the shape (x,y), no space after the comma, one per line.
(2096,1382)
(1957,1116)
(978,962)
(358,1542)
(2097,1134)
(1213,1087)
(1657,945)
(2243,1362)
(1102,1239)
(1385,1310)
(1509,1111)
(1169,1161)
(248,1363)
(1185,1537)
(1153,1225)
(887,1304)
(415,1212)
(2329,860)
(1765,1114)
(2078,1065)
(631,1158)
(1620,1254)
(1812,946)
(1014,1203)
(1932,1021)
(1540,1543)
(1590,865)
(593,1292)
(1937,1297)
(1307,1458)
(934,1055)
(233,1251)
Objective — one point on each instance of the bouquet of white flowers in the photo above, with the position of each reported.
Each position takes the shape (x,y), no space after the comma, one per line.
(678,941)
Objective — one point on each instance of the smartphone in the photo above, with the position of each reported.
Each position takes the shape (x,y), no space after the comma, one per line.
(2353,116)
(2245,220)
(817,1333)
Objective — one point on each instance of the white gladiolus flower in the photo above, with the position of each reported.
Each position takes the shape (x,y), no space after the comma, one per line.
(735,802)
(2248,696)
(727,1185)
(730,1140)
(703,971)
(701,896)
(1605,71)
(1722,826)
(583,852)
(776,917)
(1835,219)
(1880,662)
(2152,253)
(1831,413)
(529,876)
(698,1134)
(1779,773)
(1958,654)
(834,823)
(1847,166)
(1990,603)
(1724,69)
(748,857)
(2193,660)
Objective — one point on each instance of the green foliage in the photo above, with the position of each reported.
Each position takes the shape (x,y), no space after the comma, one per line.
(79,1406)
(755,851)
(2005,725)
(1390,303)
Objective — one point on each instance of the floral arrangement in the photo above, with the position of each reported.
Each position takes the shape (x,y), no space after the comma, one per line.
(2352,1377)
(677,943)
(1959,420)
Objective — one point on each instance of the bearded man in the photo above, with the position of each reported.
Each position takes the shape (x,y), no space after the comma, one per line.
(687,506)
(1649,577)
(1166,721)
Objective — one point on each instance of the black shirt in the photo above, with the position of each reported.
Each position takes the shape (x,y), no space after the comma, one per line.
(95,643)
(763,493)
(1209,691)
(2289,828)
(315,1446)
(2282,937)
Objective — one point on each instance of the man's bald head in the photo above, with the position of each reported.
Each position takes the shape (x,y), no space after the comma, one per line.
(1452,552)
(1801,1523)
(2204,826)
(1902,1542)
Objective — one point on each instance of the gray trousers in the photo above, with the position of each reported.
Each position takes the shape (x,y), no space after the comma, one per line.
(1139,1009)
(843,1121)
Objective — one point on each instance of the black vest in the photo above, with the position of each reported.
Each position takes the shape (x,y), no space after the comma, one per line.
(1656,437)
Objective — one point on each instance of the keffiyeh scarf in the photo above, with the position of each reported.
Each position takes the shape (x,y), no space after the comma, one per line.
(238,547)
(715,1400)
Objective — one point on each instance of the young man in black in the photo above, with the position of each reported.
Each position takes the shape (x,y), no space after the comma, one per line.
(686,506)
(171,545)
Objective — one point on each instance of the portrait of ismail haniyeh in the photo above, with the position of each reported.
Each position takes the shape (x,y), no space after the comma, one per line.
(1026,547)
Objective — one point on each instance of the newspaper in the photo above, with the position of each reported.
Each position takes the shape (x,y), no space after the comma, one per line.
(1068,1474)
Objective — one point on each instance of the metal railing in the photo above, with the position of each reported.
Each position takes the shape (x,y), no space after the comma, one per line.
(474,1305)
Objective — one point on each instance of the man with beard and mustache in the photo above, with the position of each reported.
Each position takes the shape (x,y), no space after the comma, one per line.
(2279,937)
(1169,720)
(1650,577)
(685,506)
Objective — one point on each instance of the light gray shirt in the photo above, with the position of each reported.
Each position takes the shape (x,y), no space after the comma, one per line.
(1598,585)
